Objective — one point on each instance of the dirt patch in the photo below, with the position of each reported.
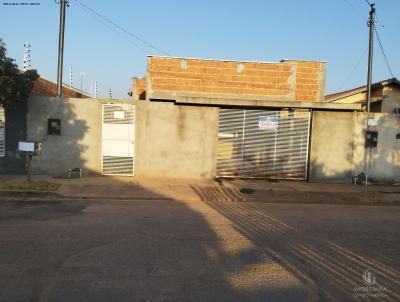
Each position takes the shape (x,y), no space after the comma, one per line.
(39,186)
(247,190)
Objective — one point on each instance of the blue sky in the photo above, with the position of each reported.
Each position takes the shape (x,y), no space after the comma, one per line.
(332,31)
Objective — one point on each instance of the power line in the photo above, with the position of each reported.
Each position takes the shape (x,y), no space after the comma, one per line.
(383,52)
(354,69)
(121,28)
(355,9)
(130,40)
(377,35)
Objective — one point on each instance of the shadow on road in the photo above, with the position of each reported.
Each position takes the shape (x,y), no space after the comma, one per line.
(334,272)
(116,250)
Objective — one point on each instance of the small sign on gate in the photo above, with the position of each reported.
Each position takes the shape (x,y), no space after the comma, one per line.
(119,115)
(268,123)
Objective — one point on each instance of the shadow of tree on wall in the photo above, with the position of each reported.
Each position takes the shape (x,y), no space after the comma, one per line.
(66,150)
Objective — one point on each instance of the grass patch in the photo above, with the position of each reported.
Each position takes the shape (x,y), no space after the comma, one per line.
(29,186)
(247,190)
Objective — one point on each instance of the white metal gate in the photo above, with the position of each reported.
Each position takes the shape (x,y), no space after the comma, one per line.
(263,143)
(118,139)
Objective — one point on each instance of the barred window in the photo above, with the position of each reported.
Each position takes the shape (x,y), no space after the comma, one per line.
(53,126)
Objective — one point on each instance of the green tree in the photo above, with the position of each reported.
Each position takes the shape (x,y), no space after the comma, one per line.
(15,85)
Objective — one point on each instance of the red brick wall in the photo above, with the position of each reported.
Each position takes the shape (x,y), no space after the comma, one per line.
(307,81)
(227,77)
(139,88)
(42,87)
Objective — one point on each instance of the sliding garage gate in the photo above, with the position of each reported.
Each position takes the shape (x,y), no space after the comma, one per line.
(263,143)
(118,139)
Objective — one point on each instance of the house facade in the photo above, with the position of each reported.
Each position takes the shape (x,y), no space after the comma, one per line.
(385,96)
(236,119)
(197,118)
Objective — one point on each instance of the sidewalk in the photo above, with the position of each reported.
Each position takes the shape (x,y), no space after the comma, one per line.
(120,187)
(131,188)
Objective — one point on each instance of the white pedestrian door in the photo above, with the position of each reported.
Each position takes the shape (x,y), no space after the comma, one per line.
(118,139)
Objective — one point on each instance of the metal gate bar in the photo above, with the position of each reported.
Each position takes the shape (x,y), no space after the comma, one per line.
(263,143)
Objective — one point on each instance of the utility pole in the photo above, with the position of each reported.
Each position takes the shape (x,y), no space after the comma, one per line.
(371,24)
(63,4)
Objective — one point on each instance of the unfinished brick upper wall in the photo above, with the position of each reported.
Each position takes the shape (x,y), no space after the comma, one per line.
(139,88)
(310,81)
(287,80)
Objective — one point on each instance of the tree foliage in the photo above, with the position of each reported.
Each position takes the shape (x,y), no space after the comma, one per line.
(15,85)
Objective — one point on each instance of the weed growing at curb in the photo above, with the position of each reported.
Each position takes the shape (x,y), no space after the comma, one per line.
(247,190)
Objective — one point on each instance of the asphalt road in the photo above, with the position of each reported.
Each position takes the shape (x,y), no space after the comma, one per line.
(164,250)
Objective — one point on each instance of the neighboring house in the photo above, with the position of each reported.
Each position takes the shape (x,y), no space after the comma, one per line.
(385,96)
(13,125)
(43,87)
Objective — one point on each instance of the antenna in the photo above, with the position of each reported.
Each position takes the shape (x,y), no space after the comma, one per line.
(82,76)
(70,77)
(27,56)
(95,90)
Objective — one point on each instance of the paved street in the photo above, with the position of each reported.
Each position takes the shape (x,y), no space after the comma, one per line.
(169,250)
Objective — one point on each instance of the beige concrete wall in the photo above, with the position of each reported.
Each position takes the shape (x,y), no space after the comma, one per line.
(383,162)
(391,99)
(78,146)
(331,146)
(338,147)
(180,140)
(175,140)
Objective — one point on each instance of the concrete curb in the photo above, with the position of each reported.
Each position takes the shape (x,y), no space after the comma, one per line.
(29,193)
(229,194)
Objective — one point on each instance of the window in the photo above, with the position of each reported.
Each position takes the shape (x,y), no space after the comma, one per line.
(376,106)
(53,126)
